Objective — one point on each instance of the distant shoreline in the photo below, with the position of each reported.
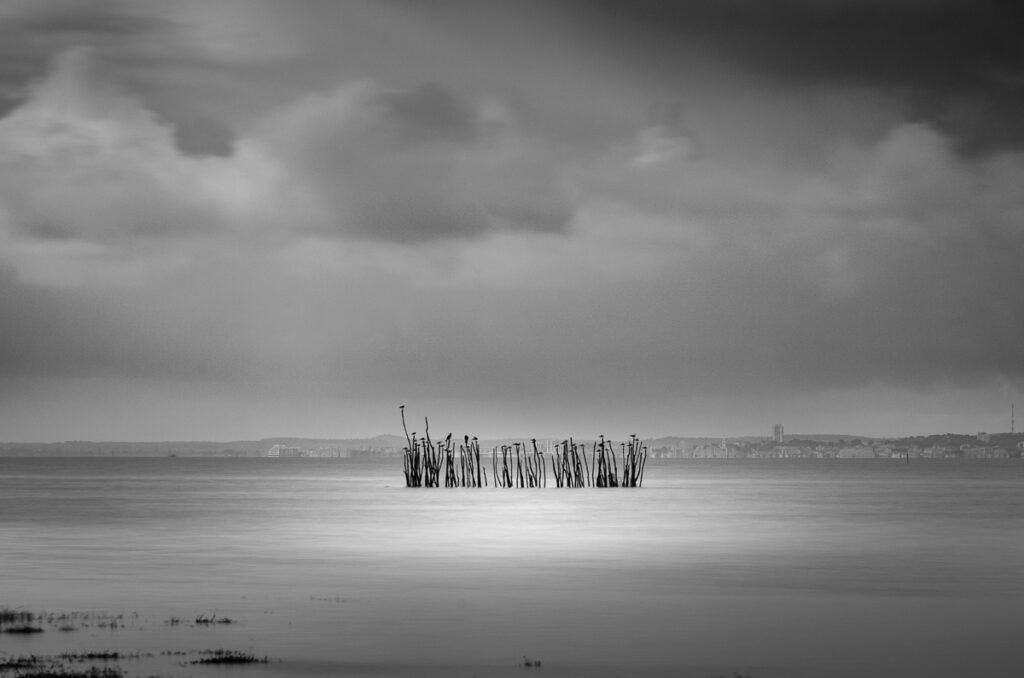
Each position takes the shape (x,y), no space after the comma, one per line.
(826,446)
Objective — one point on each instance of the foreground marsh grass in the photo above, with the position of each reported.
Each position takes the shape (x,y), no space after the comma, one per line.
(121,663)
(23,621)
(22,662)
(35,666)
(99,663)
(70,664)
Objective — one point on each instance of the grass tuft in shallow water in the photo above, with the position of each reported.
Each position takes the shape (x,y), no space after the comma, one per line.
(59,672)
(528,663)
(213,619)
(230,657)
(9,616)
(24,628)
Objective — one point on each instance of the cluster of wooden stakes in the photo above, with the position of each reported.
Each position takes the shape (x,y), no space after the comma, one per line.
(448,463)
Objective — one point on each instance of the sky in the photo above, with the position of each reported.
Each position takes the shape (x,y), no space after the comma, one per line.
(234,219)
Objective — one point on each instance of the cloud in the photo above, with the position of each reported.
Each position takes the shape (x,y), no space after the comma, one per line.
(892,264)
(894,261)
(81,160)
(414,165)
(945,42)
(945,60)
(75,17)
(89,176)
(32,32)
(121,255)
(656,145)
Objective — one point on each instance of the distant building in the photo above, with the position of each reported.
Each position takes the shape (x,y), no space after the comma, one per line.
(986,452)
(284,451)
(862,452)
(778,433)
(883,451)
(984,437)
(710,451)
(934,452)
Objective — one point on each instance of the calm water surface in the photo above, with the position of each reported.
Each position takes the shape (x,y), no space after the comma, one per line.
(769,568)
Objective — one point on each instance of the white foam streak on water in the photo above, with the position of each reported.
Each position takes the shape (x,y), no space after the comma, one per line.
(809,568)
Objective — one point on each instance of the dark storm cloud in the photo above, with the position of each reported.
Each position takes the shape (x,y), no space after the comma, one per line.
(413,165)
(137,47)
(959,63)
(929,44)
(429,112)
(32,33)
(108,19)
(82,160)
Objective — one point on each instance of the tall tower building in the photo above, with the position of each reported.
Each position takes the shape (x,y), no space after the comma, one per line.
(778,433)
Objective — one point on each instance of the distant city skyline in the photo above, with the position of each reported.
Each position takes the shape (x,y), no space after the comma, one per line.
(224,220)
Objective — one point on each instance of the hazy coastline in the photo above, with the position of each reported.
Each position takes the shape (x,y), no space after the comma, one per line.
(821,446)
